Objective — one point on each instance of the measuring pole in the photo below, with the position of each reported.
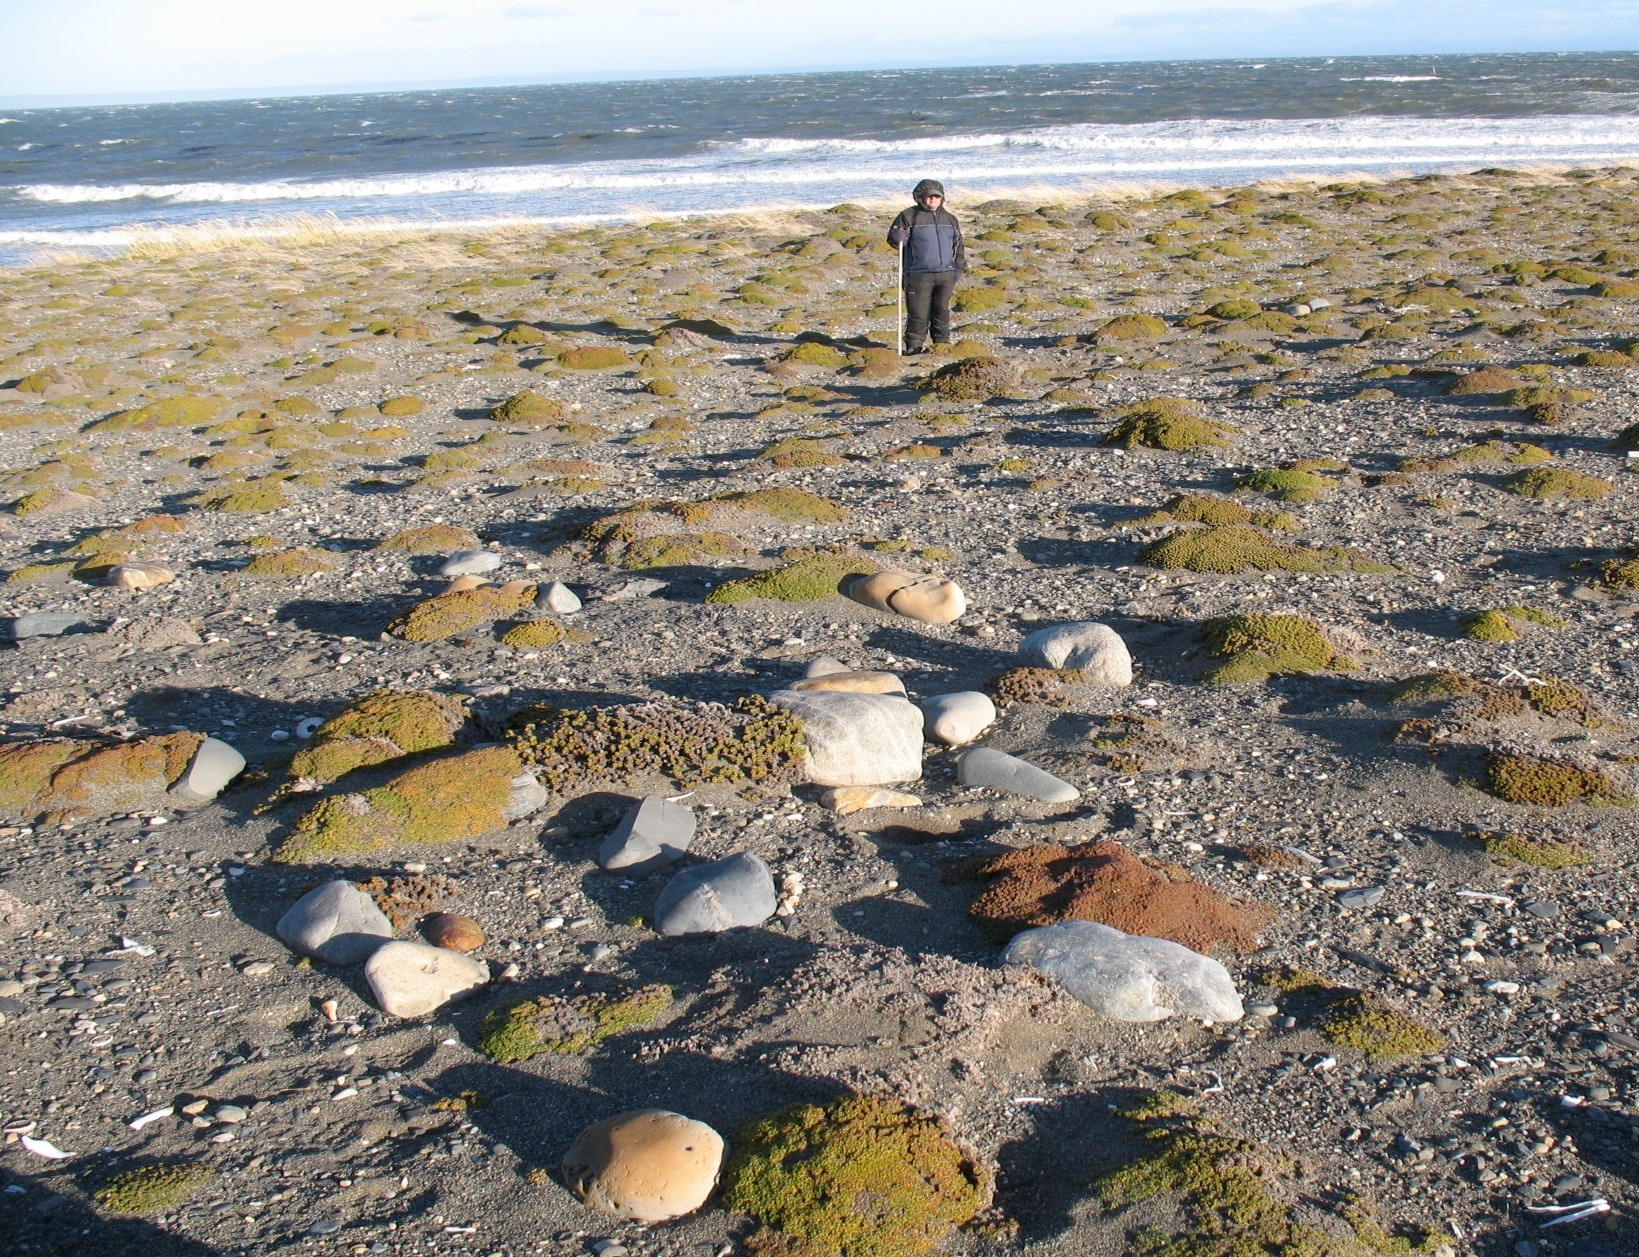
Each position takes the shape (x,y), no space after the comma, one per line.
(900,289)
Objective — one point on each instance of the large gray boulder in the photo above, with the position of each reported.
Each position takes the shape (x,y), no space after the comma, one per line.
(1096,649)
(337,922)
(856,739)
(1127,976)
(653,834)
(711,898)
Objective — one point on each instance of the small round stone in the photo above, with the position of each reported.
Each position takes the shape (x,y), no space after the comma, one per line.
(453,932)
(648,1165)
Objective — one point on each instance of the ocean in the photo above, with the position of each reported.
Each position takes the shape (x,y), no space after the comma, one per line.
(84,177)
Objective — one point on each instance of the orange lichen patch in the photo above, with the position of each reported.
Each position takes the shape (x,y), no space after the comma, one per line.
(58,773)
(1105,882)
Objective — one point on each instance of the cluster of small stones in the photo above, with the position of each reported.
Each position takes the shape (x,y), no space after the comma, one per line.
(1346,466)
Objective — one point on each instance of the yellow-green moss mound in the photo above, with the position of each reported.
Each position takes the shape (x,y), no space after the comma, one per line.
(1516,777)
(529,410)
(447,614)
(430,539)
(52,774)
(169,412)
(691,743)
(809,579)
(153,1189)
(681,549)
(451,799)
(50,500)
(593,358)
(865,1176)
(402,406)
(1557,482)
(972,379)
(816,354)
(381,727)
(287,564)
(534,634)
(1236,1196)
(1290,484)
(1544,853)
(1202,508)
(1236,548)
(1256,647)
(567,1026)
(1130,327)
(250,498)
(1167,423)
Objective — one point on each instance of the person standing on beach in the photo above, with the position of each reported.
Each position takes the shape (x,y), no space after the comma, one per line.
(929,241)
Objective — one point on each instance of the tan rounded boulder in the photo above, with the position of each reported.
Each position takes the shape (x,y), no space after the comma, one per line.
(930,599)
(453,932)
(139,576)
(852,683)
(648,1165)
(463,583)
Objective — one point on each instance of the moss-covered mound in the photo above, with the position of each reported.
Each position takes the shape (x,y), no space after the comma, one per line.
(691,743)
(567,1025)
(1053,687)
(1129,327)
(865,1176)
(1236,548)
(682,549)
(430,539)
(529,410)
(593,358)
(52,774)
(287,564)
(816,353)
(972,379)
(808,579)
(444,800)
(1296,482)
(458,611)
(253,497)
(380,727)
(1255,647)
(1542,852)
(1167,423)
(1107,883)
(534,634)
(1216,512)
(1237,1198)
(1557,482)
(184,411)
(153,1189)
(1517,777)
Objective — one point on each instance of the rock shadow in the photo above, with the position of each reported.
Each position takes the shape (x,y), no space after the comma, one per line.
(1045,1177)
(42,1220)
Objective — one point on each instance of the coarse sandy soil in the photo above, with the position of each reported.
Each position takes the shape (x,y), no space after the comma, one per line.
(1501,941)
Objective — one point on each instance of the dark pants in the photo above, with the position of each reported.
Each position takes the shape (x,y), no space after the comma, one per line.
(927,300)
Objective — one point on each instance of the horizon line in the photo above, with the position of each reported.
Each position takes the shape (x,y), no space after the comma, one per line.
(293,92)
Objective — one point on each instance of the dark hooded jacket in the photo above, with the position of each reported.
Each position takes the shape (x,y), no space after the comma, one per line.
(932,240)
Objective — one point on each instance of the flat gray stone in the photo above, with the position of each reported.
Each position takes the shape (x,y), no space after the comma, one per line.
(824,666)
(652,834)
(1126,976)
(856,739)
(996,770)
(1097,649)
(415,979)
(956,719)
(558,598)
(527,797)
(470,563)
(711,898)
(43,624)
(1361,897)
(642,587)
(1542,909)
(337,922)
(214,764)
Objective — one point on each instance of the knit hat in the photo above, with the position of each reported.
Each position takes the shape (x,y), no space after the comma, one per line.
(928,187)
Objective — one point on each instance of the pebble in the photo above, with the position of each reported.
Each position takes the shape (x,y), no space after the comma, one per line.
(654,833)
(138,576)
(1499,986)
(928,599)
(214,764)
(825,665)
(717,896)
(43,624)
(648,1165)
(846,800)
(470,563)
(1126,976)
(527,797)
(558,598)
(1261,1010)
(229,1114)
(1095,648)
(1542,909)
(257,968)
(996,770)
(640,588)
(414,979)
(337,922)
(851,683)
(1362,897)
(857,739)
(461,584)
(957,718)
(453,932)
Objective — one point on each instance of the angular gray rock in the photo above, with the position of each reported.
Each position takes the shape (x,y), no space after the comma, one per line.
(1127,976)
(558,598)
(43,624)
(856,739)
(997,770)
(214,764)
(1097,649)
(528,796)
(1361,898)
(414,979)
(956,719)
(711,898)
(337,922)
(651,835)
(470,563)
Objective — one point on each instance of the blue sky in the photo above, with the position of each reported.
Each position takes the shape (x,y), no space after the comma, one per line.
(131,49)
